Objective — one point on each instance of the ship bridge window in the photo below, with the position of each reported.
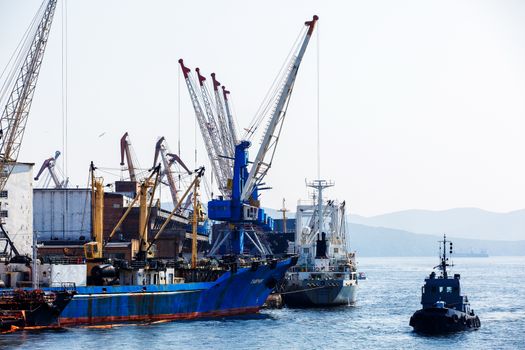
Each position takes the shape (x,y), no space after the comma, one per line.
(441,289)
(449,289)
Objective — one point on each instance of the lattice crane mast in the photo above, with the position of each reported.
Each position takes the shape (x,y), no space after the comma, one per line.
(229,116)
(16,112)
(209,131)
(217,129)
(226,134)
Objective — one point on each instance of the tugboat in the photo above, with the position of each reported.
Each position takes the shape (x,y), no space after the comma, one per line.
(325,274)
(35,308)
(444,308)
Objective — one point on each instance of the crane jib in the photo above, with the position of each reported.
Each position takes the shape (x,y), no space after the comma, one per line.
(277,118)
(14,117)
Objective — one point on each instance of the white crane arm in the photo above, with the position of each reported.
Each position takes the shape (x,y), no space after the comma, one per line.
(263,160)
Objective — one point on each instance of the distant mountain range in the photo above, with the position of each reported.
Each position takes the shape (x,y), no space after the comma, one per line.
(469,223)
(381,241)
(416,232)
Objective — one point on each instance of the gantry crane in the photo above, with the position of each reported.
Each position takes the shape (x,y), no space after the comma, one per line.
(50,165)
(14,117)
(241,207)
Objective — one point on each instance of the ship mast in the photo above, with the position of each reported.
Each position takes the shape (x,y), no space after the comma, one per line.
(444,260)
(320,185)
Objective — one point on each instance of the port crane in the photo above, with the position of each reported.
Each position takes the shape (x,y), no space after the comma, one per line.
(216,133)
(169,162)
(239,207)
(125,154)
(50,165)
(21,82)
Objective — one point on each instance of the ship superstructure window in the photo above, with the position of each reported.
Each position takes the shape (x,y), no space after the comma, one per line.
(306,250)
(449,289)
(3,194)
(3,213)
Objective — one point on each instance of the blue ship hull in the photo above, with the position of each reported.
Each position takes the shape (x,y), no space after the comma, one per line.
(242,292)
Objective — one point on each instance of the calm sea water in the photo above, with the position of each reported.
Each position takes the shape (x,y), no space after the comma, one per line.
(386,301)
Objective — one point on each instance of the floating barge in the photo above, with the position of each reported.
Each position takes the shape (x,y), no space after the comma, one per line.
(35,308)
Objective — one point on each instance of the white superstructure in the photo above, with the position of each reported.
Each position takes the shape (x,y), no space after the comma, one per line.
(310,226)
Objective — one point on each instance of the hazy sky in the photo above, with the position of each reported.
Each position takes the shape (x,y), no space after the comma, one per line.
(422,102)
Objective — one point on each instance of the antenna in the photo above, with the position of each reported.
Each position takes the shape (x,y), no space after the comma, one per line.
(443,256)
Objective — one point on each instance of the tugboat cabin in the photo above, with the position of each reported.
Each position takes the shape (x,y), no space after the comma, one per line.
(443,289)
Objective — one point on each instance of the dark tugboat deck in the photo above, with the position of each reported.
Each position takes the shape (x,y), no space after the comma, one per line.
(444,308)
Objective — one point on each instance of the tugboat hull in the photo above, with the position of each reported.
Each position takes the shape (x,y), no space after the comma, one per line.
(331,294)
(443,320)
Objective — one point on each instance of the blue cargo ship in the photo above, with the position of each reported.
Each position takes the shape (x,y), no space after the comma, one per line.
(235,292)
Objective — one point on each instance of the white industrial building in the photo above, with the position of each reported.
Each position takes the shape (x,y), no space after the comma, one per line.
(16,207)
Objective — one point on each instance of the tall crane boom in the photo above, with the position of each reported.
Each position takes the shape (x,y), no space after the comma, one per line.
(205,127)
(216,130)
(226,136)
(263,160)
(125,151)
(14,117)
(229,116)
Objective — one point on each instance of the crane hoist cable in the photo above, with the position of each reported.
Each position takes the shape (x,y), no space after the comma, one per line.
(19,54)
(263,110)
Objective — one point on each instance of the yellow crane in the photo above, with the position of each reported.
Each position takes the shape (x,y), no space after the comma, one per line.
(284,210)
(93,250)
